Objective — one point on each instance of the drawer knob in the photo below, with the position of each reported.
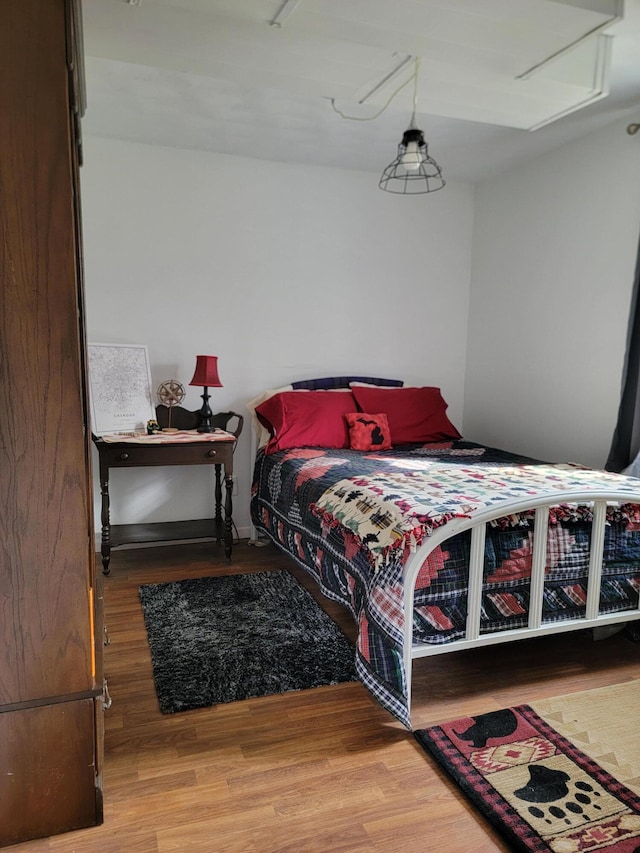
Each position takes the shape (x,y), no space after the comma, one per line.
(124,456)
(211,453)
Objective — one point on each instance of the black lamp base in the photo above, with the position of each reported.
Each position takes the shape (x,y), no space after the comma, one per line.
(205,414)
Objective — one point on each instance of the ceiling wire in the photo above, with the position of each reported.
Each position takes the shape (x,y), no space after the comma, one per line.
(283,13)
(392,75)
(414,78)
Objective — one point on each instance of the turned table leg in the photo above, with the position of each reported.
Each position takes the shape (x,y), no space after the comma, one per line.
(228,515)
(218,504)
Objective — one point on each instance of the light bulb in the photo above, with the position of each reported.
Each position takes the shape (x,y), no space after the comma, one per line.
(412,157)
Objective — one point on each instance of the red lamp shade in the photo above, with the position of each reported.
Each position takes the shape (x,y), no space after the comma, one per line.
(206,373)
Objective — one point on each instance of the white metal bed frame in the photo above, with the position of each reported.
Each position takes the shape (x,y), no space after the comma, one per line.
(599,501)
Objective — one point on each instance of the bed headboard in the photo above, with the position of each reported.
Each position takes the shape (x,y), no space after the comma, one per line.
(329,382)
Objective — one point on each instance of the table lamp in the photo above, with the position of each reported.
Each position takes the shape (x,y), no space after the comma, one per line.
(206,375)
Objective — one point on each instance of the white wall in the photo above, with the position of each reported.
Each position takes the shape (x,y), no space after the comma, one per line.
(281,271)
(554,254)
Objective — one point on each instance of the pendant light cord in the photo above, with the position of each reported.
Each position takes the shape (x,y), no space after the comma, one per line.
(413,77)
(415,93)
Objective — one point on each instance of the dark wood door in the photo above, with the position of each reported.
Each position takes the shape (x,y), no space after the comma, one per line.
(62,754)
(50,669)
(44,532)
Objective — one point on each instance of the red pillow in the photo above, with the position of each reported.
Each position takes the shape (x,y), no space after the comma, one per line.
(368,432)
(312,419)
(415,414)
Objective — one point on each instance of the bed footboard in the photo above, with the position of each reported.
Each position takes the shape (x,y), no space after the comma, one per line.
(599,502)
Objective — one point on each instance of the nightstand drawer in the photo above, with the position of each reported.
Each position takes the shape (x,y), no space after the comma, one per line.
(132,455)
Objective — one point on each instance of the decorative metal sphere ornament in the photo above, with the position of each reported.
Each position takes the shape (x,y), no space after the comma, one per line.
(170,393)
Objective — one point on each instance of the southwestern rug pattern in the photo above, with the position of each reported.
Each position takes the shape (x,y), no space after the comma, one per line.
(222,639)
(560,775)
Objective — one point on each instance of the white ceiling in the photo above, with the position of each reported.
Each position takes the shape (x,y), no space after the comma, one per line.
(264,78)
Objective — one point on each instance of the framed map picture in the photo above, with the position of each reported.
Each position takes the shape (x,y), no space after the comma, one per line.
(119,388)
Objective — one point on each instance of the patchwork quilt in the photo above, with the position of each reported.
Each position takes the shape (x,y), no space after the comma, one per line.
(352,519)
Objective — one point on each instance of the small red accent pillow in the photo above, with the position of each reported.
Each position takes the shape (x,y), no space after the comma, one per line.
(368,432)
(415,414)
(312,419)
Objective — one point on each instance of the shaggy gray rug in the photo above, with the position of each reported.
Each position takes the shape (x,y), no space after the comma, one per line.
(234,637)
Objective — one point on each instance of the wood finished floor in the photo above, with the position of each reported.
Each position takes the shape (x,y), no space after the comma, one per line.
(322,770)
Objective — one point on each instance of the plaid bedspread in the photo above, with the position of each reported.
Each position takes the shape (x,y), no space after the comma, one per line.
(351,519)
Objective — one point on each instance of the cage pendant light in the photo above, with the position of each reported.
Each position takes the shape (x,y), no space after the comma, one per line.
(413,171)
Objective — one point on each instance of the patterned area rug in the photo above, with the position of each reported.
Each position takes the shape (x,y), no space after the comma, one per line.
(222,639)
(559,775)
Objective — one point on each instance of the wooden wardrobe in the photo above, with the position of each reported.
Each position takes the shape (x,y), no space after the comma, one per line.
(51,679)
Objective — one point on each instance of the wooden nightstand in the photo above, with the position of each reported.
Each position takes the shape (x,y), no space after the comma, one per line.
(218,453)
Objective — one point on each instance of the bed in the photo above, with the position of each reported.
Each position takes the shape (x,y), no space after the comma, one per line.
(370,488)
